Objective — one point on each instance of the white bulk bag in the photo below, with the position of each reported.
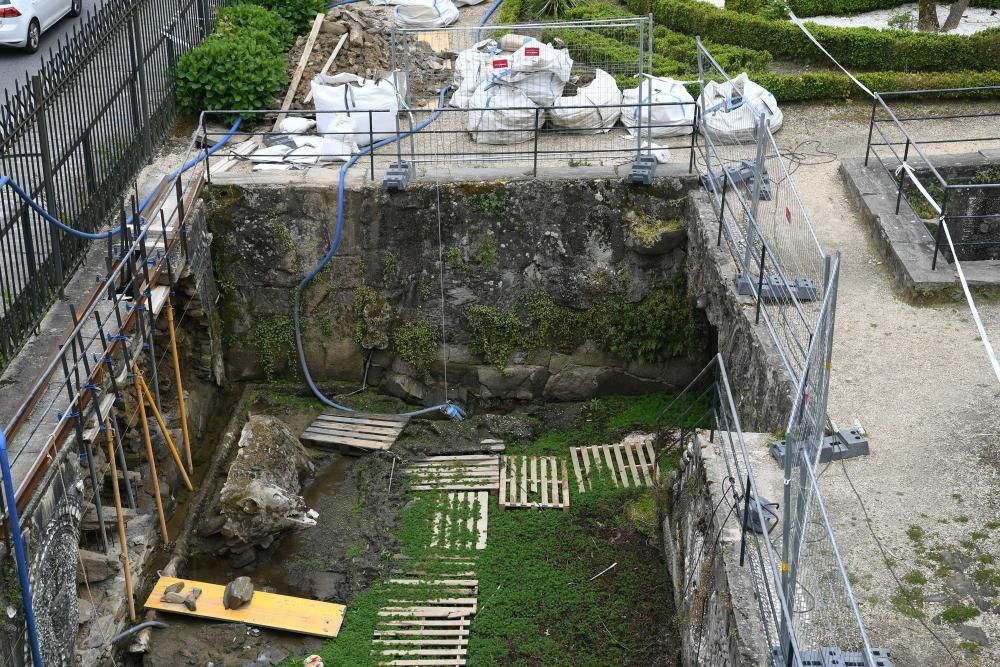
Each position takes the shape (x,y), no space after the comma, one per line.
(674,118)
(604,98)
(425,13)
(470,71)
(502,115)
(355,96)
(465,3)
(537,70)
(733,108)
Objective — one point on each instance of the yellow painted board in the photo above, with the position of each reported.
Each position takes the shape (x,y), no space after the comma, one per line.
(266,610)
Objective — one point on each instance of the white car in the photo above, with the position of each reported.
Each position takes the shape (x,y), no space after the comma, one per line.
(22,22)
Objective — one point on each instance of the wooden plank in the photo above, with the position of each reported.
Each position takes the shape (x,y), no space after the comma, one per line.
(327,425)
(586,466)
(617,449)
(574,454)
(534,474)
(652,459)
(643,465)
(362,418)
(458,641)
(452,487)
(524,482)
(429,663)
(503,483)
(329,63)
(452,472)
(430,622)
(483,524)
(544,462)
(610,463)
(631,465)
(427,612)
(423,632)
(349,434)
(423,651)
(463,458)
(565,482)
(556,502)
(299,69)
(353,442)
(446,602)
(266,610)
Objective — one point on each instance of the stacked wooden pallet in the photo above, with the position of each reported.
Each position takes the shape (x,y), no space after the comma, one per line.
(631,463)
(536,482)
(450,531)
(455,473)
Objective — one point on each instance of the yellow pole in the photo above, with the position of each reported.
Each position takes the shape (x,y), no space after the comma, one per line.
(163,429)
(121,519)
(149,453)
(180,386)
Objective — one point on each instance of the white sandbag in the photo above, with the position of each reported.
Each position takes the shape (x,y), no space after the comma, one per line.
(470,71)
(538,70)
(733,108)
(338,144)
(673,118)
(296,125)
(604,99)
(502,115)
(466,3)
(425,13)
(275,153)
(356,96)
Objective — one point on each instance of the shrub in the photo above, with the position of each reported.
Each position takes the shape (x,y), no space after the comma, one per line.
(235,72)
(856,48)
(509,12)
(662,325)
(300,13)
(806,8)
(550,9)
(494,334)
(417,344)
(243,17)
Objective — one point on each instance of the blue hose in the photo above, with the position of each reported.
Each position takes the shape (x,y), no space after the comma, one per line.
(22,562)
(452,411)
(496,6)
(7,180)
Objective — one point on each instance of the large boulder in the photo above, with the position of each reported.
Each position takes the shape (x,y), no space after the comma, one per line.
(261,493)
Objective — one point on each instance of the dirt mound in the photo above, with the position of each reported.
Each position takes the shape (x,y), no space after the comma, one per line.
(367,52)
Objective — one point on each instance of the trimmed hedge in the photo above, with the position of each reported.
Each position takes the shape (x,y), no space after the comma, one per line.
(806,8)
(833,85)
(855,48)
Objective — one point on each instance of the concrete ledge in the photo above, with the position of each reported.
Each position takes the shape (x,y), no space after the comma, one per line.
(904,242)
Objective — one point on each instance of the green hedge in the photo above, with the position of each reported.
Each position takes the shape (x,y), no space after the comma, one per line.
(831,85)
(855,48)
(807,8)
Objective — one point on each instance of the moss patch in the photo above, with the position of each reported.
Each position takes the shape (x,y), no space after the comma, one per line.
(418,344)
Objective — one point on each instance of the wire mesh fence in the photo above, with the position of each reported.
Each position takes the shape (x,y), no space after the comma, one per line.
(74,136)
(762,218)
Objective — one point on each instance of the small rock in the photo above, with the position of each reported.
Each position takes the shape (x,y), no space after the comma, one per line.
(313,661)
(173,598)
(93,566)
(238,592)
(212,525)
(336,28)
(175,587)
(243,558)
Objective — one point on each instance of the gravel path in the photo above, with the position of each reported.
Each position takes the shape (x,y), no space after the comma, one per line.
(920,383)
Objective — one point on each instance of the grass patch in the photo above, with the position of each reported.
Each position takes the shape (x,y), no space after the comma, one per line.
(909,601)
(915,578)
(959,613)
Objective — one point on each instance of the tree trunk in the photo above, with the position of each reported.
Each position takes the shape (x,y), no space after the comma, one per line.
(955,15)
(927,20)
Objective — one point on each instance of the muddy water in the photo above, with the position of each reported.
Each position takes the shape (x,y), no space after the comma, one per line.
(301,563)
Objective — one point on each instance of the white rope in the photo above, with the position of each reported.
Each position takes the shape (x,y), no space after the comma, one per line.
(797,21)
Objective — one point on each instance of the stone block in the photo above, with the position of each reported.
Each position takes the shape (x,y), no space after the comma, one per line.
(94,567)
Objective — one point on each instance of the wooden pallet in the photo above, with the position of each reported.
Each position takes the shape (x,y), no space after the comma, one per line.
(627,464)
(537,482)
(424,632)
(354,431)
(448,533)
(455,473)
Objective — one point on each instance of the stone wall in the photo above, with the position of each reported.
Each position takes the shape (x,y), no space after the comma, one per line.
(762,389)
(715,599)
(570,243)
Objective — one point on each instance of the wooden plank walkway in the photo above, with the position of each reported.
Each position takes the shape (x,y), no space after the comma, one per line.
(266,610)
(628,464)
(418,628)
(536,482)
(449,532)
(354,431)
(455,473)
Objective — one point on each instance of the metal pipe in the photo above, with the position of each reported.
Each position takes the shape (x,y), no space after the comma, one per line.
(22,562)
(122,540)
(154,476)
(182,408)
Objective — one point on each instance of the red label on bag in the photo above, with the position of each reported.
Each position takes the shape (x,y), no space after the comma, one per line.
(788,215)
(532,51)
(500,64)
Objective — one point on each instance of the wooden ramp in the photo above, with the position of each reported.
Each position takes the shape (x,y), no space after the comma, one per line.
(455,473)
(266,610)
(354,430)
(627,464)
(536,482)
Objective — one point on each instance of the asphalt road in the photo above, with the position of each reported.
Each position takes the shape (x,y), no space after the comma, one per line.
(14,63)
